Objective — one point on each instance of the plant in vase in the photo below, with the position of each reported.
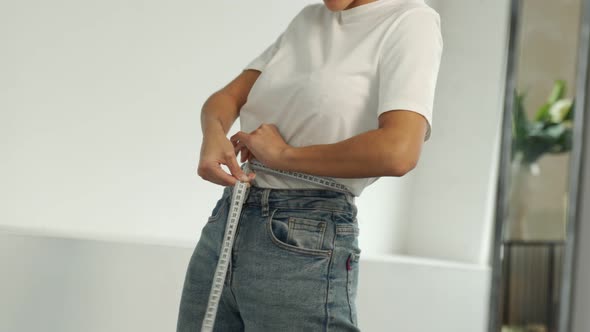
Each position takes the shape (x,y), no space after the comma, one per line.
(550,131)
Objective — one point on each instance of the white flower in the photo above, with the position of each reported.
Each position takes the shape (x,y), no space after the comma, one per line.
(559,110)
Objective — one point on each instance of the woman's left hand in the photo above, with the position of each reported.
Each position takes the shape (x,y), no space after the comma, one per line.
(264,143)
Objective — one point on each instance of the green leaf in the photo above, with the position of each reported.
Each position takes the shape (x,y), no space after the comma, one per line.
(555,131)
(570,114)
(557,92)
(543,113)
(559,110)
(549,132)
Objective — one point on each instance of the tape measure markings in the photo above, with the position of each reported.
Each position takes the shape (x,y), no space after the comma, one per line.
(325,181)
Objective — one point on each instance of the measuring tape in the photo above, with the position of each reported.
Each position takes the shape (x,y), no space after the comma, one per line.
(239,194)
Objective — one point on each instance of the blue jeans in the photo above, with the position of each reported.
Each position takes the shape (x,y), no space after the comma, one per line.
(294,264)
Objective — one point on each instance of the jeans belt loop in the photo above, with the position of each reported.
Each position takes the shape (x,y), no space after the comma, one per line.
(264,202)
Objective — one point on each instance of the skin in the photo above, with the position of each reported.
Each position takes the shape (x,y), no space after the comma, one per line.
(338,5)
(393,149)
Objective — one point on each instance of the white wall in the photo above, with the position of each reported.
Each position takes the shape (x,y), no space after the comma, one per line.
(100,135)
(100,122)
(99,110)
(454,186)
(69,285)
(100,117)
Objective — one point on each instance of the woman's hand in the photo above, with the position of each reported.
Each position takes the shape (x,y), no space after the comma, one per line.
(264,143)
(216,150)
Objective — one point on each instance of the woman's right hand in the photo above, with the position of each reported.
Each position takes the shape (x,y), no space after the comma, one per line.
(217,150)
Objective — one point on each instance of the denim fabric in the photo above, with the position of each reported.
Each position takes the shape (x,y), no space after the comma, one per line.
(294,264)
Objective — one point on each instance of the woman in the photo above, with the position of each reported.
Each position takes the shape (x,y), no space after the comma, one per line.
(345,92)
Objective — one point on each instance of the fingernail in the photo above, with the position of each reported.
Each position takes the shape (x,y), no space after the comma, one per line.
(244,177)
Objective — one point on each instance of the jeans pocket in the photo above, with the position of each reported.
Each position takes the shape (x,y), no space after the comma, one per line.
(297,232)
(352,269)
(347,233)
(218,209)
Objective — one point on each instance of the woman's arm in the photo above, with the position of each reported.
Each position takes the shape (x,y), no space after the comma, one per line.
(218,114)
(391,150)
(222,108)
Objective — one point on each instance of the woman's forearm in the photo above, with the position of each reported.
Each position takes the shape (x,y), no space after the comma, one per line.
(218,114)
(377,152)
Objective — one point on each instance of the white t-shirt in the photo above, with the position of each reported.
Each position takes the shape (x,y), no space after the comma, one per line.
(329,76)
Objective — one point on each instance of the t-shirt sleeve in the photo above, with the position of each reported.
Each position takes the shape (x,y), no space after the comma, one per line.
(409,63)
(262,59)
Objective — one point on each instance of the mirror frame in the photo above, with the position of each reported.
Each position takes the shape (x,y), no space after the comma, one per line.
(574,203)
(502,187)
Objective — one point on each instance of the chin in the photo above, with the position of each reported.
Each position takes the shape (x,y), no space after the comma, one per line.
(336,5)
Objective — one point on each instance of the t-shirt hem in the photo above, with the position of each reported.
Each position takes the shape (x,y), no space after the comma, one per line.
(256,64)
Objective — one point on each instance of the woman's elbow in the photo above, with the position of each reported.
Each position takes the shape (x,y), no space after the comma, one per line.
(402,166)
(402,160)
(402,150)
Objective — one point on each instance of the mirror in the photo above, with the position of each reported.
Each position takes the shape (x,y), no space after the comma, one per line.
(537,194)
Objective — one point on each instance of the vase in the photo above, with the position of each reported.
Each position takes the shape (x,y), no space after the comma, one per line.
(523,176)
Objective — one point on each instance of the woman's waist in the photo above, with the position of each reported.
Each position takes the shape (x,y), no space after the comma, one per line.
(289,196)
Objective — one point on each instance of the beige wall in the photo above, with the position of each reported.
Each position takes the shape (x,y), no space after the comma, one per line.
(548,46)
